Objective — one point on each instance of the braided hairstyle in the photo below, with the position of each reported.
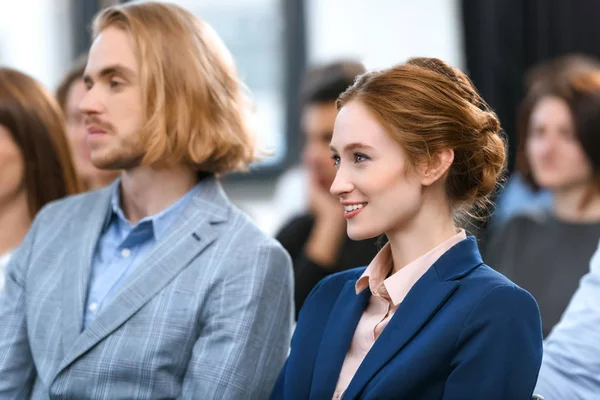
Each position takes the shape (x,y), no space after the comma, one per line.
(428,106)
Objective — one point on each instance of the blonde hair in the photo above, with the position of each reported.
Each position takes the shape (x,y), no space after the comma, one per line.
(428,106)
(197,111)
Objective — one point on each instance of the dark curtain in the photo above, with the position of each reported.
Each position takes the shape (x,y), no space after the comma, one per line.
(504,38)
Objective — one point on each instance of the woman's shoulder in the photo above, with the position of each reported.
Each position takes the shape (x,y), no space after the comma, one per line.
(325,294)
(491,284)
(338,280)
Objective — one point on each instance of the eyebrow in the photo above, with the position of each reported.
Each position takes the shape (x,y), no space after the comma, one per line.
(353,146)
(115,69)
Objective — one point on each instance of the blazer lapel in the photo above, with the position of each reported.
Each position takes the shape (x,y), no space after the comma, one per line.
(75,275)
(193,232)
(336,340)
(423,301)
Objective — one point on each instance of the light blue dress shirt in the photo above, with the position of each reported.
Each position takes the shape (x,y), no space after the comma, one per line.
(571,364)
(122,247)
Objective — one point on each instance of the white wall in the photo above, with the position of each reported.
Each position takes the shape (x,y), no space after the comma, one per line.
(35,37)
(379,33)
(384,32)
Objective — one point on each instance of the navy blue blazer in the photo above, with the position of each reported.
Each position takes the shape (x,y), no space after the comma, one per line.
(464,331)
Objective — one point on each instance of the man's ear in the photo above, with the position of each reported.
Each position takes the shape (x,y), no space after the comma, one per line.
(437,167)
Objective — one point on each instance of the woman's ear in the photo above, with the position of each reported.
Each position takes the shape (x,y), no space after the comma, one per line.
(437,167)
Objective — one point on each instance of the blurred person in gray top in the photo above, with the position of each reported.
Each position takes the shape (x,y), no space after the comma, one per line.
(518,196)
(317,240)
(69,94)
(547,251)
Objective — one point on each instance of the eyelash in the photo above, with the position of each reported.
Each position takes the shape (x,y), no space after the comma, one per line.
(357,156)
(360,155)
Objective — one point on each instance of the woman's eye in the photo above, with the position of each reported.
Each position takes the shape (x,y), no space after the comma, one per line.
(358,158)
(336,159)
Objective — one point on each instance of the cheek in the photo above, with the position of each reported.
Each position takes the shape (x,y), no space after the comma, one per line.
(576,159)
(394,194)
(533,148)
(12,167)
(126,113)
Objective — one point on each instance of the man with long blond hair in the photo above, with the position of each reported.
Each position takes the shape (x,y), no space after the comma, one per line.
(155,287)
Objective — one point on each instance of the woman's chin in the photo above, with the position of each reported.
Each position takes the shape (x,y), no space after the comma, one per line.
(356,233)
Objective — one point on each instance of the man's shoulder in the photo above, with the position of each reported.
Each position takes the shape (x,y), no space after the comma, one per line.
(72,205)
(243,235)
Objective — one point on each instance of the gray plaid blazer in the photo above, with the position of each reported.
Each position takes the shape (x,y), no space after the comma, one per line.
(208,315)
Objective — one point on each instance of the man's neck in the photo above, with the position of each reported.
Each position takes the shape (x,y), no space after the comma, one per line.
(146,191)
(99,180)
(14,222)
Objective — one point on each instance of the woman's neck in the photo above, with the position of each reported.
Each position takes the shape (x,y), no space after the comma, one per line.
(14,222)
(569,204)
(431,227)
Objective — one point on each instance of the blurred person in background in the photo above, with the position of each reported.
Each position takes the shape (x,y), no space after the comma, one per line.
(571,363)
(415,147)
(317,239)
(155,287)
(548,251)
(35,161)
(69,94)
(518,196)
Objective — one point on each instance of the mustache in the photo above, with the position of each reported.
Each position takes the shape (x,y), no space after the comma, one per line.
(94,120)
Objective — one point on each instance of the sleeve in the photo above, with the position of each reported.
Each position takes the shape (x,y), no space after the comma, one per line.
(278,390)
(300,333)
(245,341)
(17,370)
(499,351)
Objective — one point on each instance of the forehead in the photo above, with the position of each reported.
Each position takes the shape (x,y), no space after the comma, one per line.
(354,123)
(551,108)
(111,47)
(320,115)
(76,93)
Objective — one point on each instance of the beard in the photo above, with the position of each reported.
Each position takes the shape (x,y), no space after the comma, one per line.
(123,154)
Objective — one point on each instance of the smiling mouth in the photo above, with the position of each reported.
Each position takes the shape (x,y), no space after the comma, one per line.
(353,209)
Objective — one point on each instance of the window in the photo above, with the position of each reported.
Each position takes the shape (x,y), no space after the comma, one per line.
(256,32)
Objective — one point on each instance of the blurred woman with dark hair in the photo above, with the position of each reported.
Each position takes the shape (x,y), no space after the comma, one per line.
(547,251)
(35,161)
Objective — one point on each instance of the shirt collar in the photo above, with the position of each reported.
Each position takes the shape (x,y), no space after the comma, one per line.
(396,287)
(159,222)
